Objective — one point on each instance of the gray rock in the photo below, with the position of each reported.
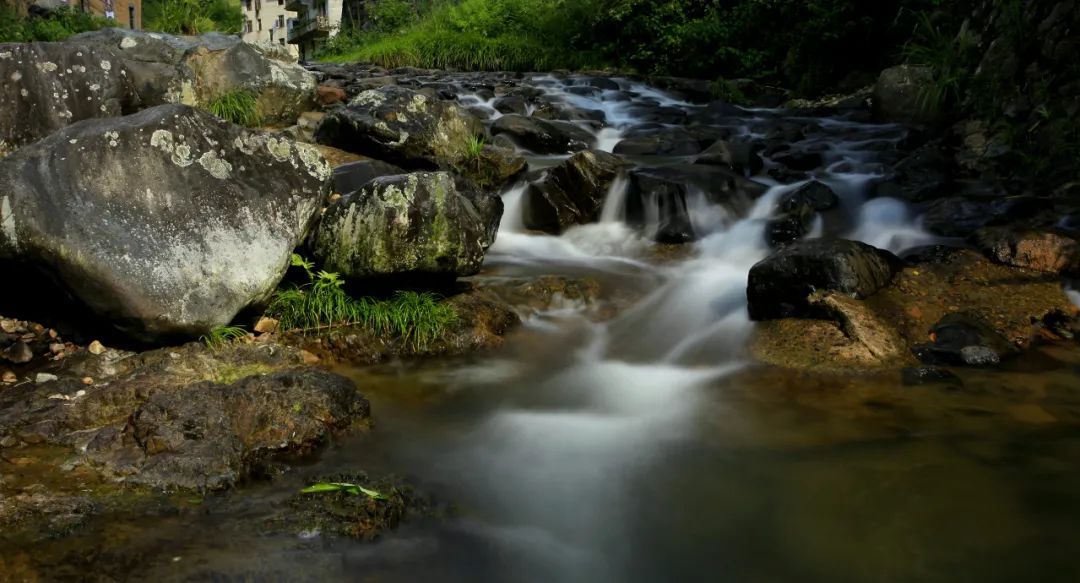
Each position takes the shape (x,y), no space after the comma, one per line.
(898,92)
(407,225)
(166,223)
(571,193)
(197,70)
(543,136)
(48,86)
(779,285)
(402,126)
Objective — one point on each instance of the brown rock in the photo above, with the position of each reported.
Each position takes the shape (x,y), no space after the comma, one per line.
(1030,249)
(329,95)
(9,326)
(96,348)
(309,358)
(19,353)
(8,377)
(267,325)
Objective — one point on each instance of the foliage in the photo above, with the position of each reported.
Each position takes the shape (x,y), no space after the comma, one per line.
(952,57)
(388,16)
(57,25)
(239,107)
(223,336)
(353,489)
(474,146)
(416,318)
(192,17)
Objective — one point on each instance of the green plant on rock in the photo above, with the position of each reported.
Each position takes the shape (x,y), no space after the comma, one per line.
(238,107)
(193,17)
(418,319)
(222,336)
(352,489)
(474,146)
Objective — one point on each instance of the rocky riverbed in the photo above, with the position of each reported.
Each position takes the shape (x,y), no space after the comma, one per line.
(664,304)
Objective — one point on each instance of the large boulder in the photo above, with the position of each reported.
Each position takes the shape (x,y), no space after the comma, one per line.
(1049,251)
(415,224)
(571,193)
(898,95)
(402,126)
(779,285)
(197,70)
(542,136)
(166,223)
(47,86)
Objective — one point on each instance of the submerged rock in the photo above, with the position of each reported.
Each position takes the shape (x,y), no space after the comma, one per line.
(402,126)
(928,375)
(48,86)
(165,223)
(571,193)
(405,225)
(780,284)
(196,70)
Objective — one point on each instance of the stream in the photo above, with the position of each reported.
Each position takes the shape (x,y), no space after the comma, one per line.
(647,446)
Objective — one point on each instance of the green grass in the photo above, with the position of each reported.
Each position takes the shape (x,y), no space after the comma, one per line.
(953,59)
(418,319)
(239,107)
(193,17)
(474,146)
(60,24)
(223,336)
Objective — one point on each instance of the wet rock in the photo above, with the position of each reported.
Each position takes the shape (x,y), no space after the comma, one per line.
(780,284)
(351,515)
(928,375)
(494,166)
(789,227)
(963,339)
(813,195)
(48,86)
(739,157)
(799,160)
(897,95)
(17,352)
(326,95)
(923,175)
(1030,249)
(571,193)
(349,177)
(659,198)
(673,142)
(511,104)
(406,225)
(218,212)
(933,254)
(196,70)
(209,436)
(542,136)
(960,216)
(402,126)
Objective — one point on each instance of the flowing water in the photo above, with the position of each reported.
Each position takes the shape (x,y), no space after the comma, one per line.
(648,447)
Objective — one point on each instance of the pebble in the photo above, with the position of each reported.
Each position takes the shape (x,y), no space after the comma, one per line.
(44,377)
(8,377)
(266,325)
(309,358)
(19,353)
(96,348)
(88,380)
(9,326)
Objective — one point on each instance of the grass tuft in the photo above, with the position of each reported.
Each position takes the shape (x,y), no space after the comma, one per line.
(222,336)
(238,107)
(417,318)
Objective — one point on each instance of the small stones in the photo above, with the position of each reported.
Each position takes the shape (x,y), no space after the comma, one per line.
(44,377)
(96,348)
(266,325)
(19,353)
(88,381)
(8,377)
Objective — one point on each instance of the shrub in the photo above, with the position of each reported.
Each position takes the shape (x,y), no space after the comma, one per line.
(57,25)
(192,17)
(238,107)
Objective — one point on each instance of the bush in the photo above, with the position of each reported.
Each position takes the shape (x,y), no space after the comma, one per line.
(192,17)
(57,25)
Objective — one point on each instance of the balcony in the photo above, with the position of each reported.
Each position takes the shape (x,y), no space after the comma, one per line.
(318,27)
(298,6)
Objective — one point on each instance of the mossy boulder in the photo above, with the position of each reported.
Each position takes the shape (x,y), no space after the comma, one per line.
(408,128)
(165,223)
(416,224)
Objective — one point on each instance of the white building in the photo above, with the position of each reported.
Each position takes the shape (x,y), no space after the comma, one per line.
(316,21)
(266,22)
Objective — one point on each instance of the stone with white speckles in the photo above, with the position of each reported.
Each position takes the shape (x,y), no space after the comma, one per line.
(151,226)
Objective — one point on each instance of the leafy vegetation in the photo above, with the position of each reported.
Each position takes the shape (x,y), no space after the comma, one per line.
(223,336)
(239,107)
(353,489)
(953,59)
(193,16)
(417,318)
(57,25)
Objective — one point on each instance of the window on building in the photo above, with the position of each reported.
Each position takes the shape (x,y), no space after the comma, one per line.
(281,21)
(260,24)
(282,41)
(131,16)
(247,5)
(280,2)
